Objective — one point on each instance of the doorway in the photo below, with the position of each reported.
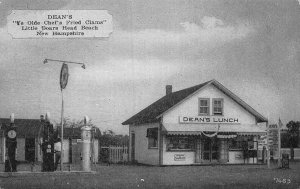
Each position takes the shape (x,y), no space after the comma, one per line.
(30,149)
(210,150)
(132,147)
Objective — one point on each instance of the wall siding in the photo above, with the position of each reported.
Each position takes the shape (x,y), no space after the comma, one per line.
(142,153)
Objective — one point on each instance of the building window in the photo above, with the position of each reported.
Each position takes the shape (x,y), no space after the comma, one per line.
(217,106)
(242,142)
(252,145)
(152,135)
(177,143)
(203,106)
(236,144)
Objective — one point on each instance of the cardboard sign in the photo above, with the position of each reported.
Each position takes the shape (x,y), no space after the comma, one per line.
(179,157)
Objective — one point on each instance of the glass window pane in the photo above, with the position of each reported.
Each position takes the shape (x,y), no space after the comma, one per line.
(203,110)
(152,134)
(204,106)
(218,108)
(203,103)
(206,155)
(179,143)
(152,142)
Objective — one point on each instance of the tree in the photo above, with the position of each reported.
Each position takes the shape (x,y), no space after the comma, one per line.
(109,138)
(285,140)
(76,123)
(109,132)
(293,135)
(72,128)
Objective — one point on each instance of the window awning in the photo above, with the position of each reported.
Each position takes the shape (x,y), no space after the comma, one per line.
(197,129)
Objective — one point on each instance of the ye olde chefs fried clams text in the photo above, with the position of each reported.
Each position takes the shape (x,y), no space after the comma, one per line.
(59,23)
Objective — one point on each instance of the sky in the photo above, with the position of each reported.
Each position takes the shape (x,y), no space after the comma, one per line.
(251,47)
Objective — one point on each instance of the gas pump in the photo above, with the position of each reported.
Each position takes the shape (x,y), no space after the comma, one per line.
(47,144)
(11,145)
(86,137)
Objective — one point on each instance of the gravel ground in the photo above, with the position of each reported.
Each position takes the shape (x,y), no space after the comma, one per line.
(132,176)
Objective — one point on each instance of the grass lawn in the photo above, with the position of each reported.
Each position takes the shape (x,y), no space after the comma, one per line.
(129,176)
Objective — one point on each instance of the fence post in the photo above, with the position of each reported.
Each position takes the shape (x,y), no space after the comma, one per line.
(116,153)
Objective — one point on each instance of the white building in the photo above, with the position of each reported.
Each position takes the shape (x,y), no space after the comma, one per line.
(203,124)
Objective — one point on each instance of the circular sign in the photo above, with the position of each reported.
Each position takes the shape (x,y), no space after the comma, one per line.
(12,134)
(64,75)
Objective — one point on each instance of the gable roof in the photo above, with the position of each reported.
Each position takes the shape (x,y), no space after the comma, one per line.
(150,113)
(153,112)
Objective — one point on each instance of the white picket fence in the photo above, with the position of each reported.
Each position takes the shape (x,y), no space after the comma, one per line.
(117,154)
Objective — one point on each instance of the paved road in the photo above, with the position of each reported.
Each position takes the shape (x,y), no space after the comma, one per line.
(129,176)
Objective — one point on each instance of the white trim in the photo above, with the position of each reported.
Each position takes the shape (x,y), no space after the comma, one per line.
(238,100)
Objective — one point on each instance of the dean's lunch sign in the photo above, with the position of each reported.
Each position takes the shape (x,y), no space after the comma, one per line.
(208,119)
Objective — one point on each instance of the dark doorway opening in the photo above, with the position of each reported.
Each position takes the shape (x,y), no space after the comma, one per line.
(210,150)
(132,147)
(30,149)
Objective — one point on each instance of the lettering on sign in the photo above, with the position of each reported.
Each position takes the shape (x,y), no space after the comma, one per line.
(273,134)
(59,23)
(208,119)
(179,157)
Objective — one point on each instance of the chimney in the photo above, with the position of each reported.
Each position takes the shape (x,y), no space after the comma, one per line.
(168,89)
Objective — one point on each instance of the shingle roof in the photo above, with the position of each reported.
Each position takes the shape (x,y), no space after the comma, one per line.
(151,113)
(25,127)
(29,128)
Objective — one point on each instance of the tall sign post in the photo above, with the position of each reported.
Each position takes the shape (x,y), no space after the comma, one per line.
(63,80)
(64,75)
